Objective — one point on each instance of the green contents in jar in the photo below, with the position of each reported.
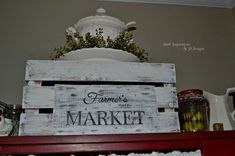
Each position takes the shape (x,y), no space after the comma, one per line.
(193,122)
(198,116)
(193,111)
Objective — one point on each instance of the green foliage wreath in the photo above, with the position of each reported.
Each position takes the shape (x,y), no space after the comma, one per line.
(124,41)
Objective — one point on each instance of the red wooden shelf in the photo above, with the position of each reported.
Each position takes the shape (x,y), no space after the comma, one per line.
(210,143)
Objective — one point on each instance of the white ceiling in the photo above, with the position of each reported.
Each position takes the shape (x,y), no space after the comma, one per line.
(208,3)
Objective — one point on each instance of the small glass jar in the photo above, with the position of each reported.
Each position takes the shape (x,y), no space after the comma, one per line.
(218,127)
(193,111)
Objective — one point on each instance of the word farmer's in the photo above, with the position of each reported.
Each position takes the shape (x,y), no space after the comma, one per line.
(122,117)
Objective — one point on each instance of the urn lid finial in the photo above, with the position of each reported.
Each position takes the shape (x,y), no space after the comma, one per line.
(100,11)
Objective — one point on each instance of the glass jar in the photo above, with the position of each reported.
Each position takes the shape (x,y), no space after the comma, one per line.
(193,111)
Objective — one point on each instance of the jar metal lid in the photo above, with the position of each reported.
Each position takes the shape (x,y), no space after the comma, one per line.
(190,91)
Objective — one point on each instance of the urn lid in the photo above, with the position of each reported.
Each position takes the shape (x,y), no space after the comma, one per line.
(100,17)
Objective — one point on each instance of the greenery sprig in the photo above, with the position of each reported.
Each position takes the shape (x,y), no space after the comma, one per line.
(124,41)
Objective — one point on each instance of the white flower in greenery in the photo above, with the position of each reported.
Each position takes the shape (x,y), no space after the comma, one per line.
(71,31)
(76,40)
(132,40)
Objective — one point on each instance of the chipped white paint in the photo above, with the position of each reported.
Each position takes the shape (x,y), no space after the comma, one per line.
(38,97)
(45,70)
(41,124)
(43,97)
(34,96)
(109,109)
(166,97)
(35,124)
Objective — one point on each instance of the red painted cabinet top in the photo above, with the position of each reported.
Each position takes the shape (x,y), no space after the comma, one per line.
(210,143)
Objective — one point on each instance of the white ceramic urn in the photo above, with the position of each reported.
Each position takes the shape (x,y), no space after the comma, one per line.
(111,26)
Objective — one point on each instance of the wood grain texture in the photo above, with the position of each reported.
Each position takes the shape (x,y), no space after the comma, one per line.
(45,70)
(38,97)
(43,97)
(42,124)
(166,97)
(148,98)
(35,124)
(109,109)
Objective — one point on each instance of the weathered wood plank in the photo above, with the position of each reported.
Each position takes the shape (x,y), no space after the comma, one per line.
(41,124)
(109,109)
(43,97)
(38,97)
(166,97)
(35,124)
(46,70)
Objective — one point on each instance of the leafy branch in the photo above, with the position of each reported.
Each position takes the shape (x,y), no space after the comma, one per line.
(124,41)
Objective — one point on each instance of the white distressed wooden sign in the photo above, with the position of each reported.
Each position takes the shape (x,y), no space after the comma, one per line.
(72,70)
(44,97)
(109,109)
(35,124)
(38,97)
(38,100)
(35,98)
